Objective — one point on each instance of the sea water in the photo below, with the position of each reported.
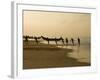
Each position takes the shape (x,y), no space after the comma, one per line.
(80,52)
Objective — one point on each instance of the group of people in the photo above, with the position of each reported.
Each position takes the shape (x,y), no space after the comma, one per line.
(54,39)
(72,41)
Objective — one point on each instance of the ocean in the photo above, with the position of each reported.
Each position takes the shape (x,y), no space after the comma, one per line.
(43,56)
(82,53)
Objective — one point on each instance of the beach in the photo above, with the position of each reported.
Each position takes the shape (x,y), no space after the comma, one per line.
(56,39)
(37,56)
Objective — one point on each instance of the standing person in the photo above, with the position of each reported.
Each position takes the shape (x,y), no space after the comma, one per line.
(56,40)
(78,41)
(62,40)
(26,38)
(48,40)
(36,39)
(72,40)
(66,41)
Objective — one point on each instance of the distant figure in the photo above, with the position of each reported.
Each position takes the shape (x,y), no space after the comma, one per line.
(56,41)
(36,39)
(72,40)
(26,38)
(66,41)
(78,41)
(62,40)
(48,40)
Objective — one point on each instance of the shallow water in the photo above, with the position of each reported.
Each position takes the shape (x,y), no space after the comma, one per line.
(43,56)
(82,53)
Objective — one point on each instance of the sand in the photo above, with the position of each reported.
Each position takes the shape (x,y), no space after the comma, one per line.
(48,56)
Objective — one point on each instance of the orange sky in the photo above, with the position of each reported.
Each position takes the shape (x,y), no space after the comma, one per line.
(56,24)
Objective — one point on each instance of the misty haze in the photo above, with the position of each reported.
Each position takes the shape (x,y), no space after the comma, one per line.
(56,39)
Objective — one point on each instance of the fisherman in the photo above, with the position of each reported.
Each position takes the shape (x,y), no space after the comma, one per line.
(78,39)
(56,40)
(72,40)
(36,39)
(66,41)
(26,38)
(48,40)
(62,40)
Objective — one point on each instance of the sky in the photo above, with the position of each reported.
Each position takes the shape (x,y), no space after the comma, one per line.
(56,24)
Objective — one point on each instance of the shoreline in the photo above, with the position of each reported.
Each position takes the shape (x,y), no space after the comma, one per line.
(49,56)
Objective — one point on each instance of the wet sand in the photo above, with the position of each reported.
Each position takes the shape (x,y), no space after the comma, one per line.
(49,56)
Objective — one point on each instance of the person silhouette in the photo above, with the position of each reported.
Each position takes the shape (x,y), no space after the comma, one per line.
(26,38)
(78,39)
(62,40)
(56,40)
(66,41)
(36,39)
(72,40)
(48,40)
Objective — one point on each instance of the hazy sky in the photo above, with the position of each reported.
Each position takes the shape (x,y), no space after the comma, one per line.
(56,24)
